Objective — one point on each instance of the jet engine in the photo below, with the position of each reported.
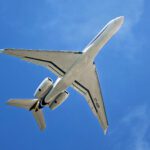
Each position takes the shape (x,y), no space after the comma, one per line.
(59,100)
(43,88)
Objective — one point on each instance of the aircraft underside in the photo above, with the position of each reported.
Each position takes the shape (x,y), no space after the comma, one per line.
(73,68)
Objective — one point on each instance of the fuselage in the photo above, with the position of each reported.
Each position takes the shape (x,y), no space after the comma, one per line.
(86,59)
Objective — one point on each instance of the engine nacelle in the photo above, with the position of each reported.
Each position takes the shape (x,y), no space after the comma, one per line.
(59,100)
(43,88)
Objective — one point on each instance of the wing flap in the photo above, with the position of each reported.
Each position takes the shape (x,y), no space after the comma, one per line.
(85,92)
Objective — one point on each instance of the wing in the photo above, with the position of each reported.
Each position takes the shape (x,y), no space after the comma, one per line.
(88,86)
(56,61)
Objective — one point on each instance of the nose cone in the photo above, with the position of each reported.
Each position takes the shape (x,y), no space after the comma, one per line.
(116,23)
(119,20)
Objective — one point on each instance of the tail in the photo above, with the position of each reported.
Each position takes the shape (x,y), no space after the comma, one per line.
(31,105)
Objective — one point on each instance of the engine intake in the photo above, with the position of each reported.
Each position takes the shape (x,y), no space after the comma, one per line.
(45,86)
(59,100)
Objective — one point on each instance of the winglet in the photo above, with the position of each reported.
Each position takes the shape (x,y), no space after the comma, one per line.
(105,131)
(1,50)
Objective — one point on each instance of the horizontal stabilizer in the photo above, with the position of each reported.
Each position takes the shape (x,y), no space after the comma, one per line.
(23,103)
(30,104)
(38,115)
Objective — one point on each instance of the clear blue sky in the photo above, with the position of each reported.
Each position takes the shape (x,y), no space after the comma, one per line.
(123,67)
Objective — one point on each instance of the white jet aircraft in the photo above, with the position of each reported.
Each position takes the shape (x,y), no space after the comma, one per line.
(75,69)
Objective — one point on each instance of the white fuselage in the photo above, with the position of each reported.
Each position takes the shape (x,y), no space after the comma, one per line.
(87,58)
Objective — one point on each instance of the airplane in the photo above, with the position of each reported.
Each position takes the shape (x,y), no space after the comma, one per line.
(73,68)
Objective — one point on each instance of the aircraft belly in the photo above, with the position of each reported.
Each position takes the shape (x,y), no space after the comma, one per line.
(73,73)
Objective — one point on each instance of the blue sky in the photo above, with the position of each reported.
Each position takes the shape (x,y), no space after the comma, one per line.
(122,66)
